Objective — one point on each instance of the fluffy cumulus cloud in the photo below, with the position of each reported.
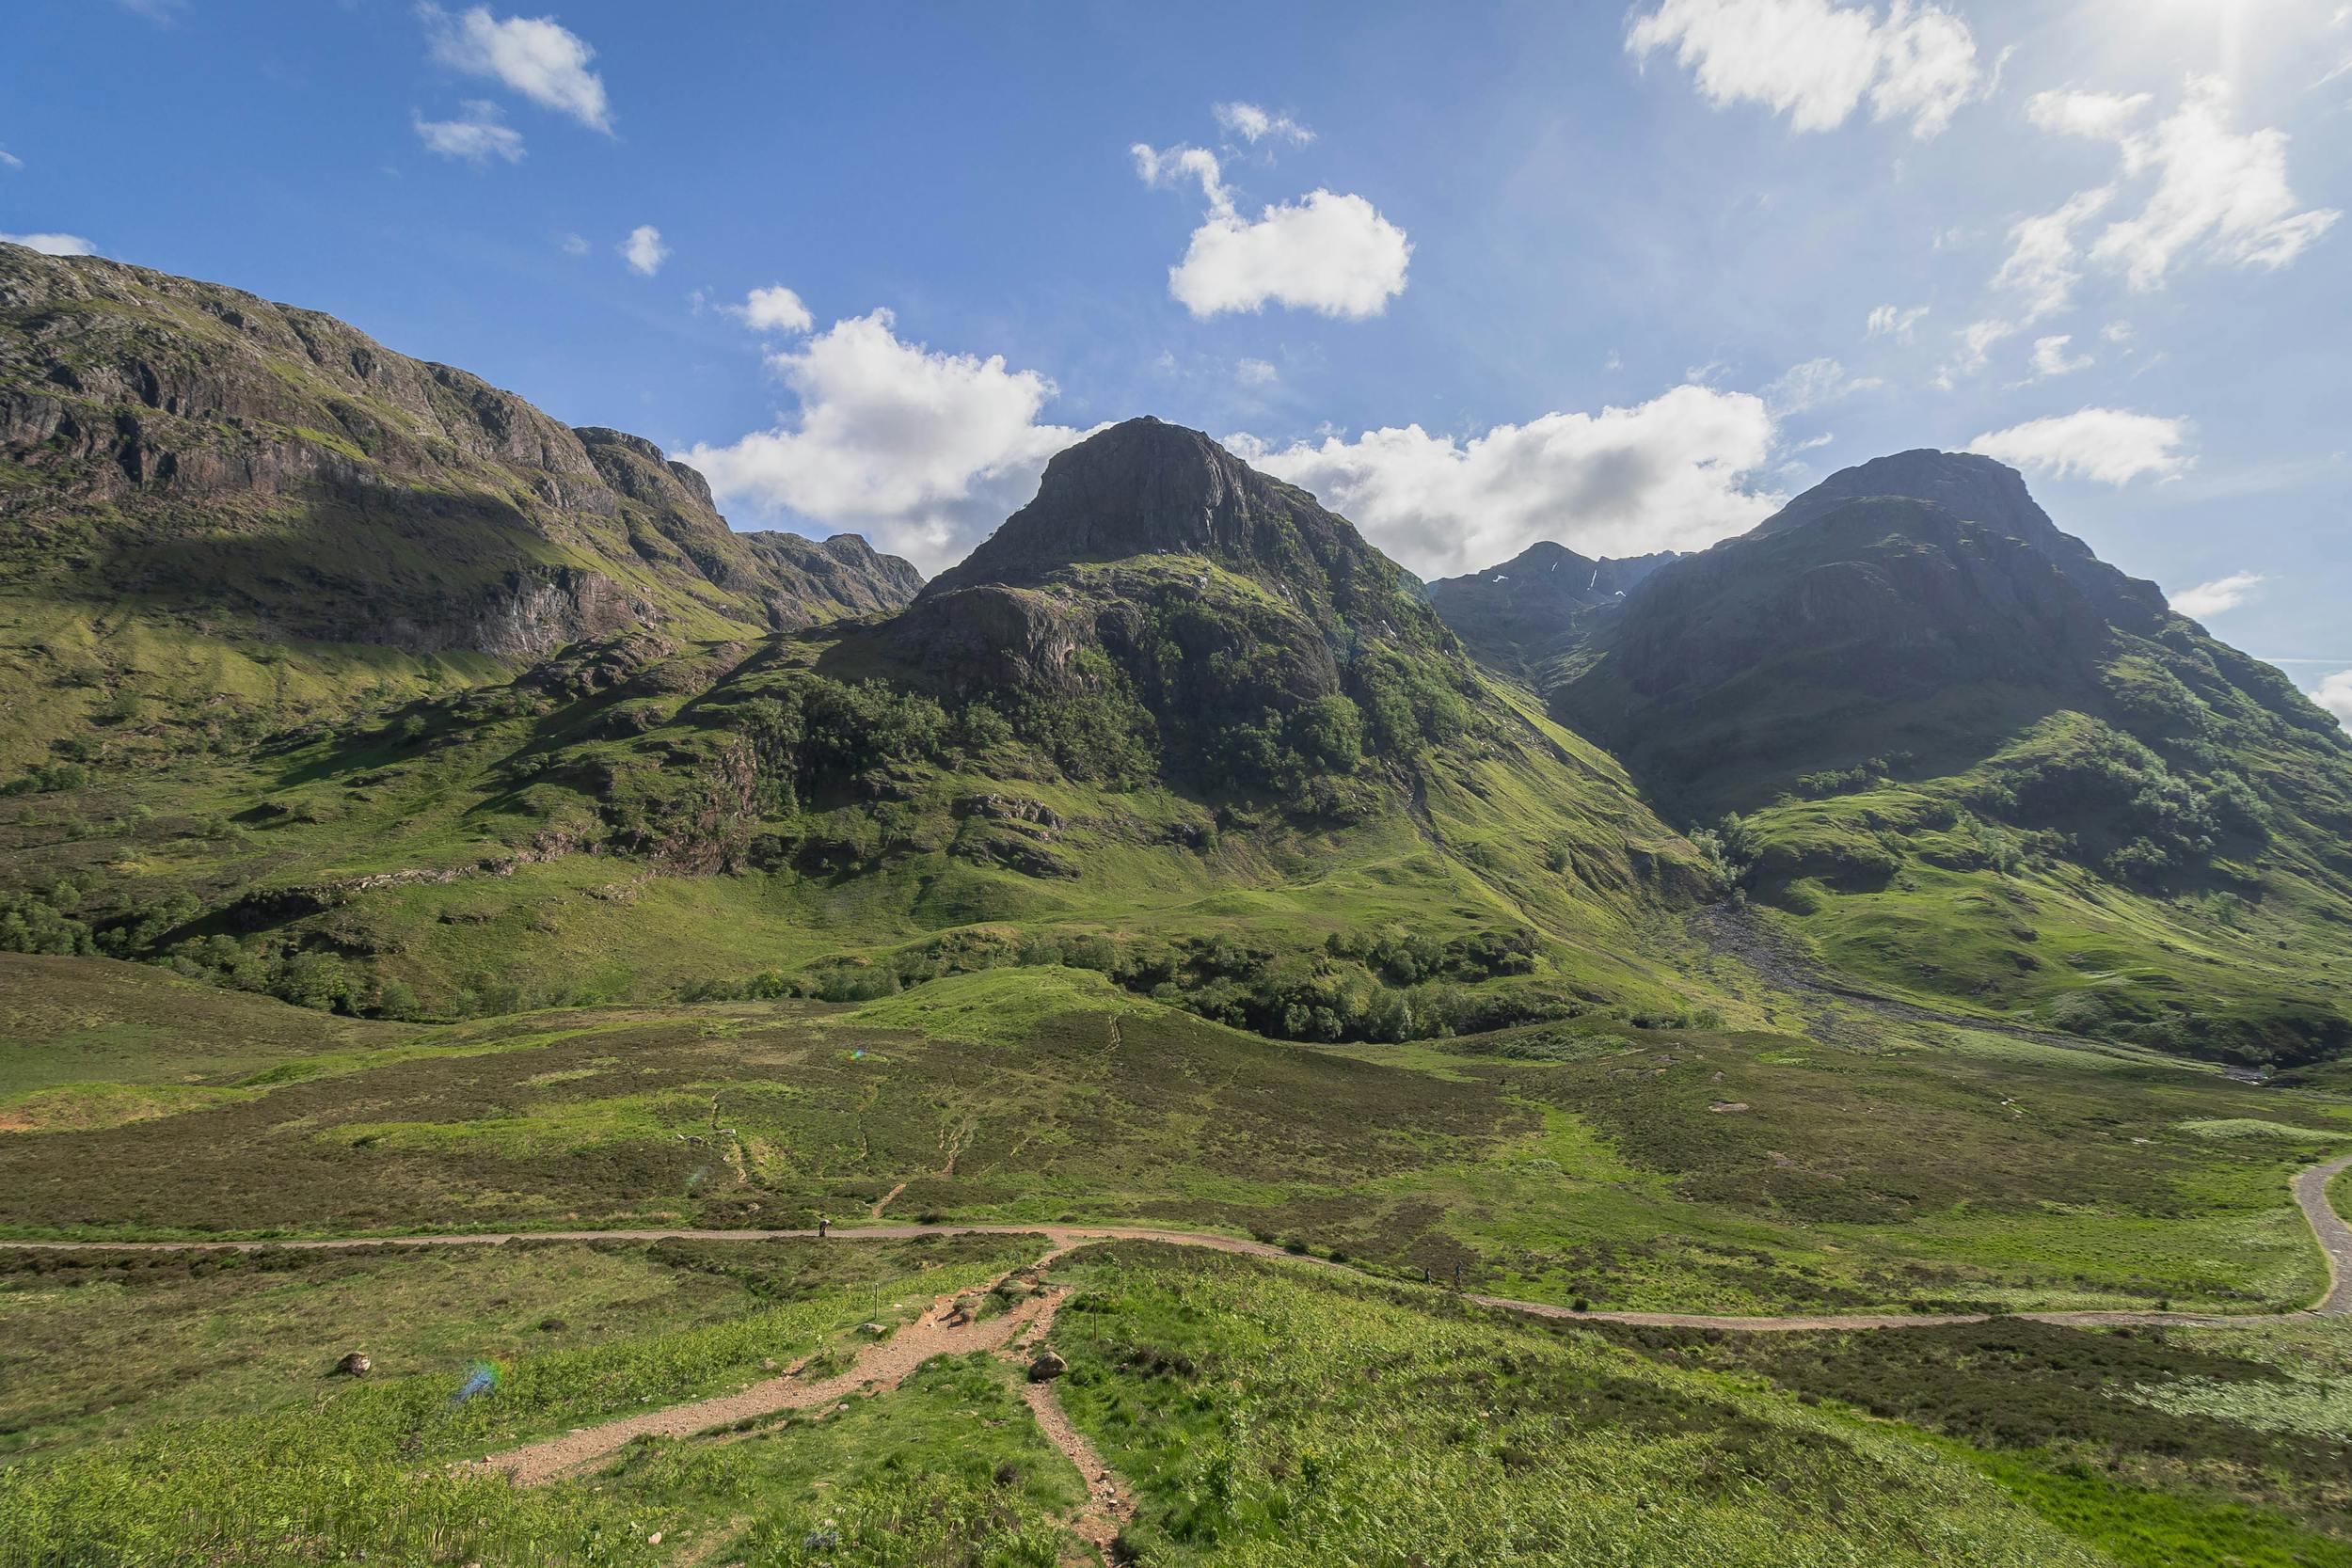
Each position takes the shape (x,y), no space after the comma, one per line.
(643,250)
(534,55)
(1334,254)
(2212,599)
(53,245)
(2112,445)
(1672,473)
(1328,253)
(776,309)
(924,452)
(477,136)
(1816,62)
(2335,695)
(2213,192)
(1253,124)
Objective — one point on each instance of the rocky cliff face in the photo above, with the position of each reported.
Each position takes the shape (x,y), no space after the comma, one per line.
(1992,495)
(1525,612)
(1148,523)
(1155,568)
(188,448)
(1888,597)
(1920,604)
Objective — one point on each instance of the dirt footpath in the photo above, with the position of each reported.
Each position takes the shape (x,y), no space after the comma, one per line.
(882,1366)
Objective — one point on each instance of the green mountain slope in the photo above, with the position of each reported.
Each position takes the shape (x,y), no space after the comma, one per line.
(212,502)
(1982,766)
(1174,717)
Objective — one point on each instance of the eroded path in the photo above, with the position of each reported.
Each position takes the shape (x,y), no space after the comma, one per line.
(1110,1505)
(942,1330)
(2309,1187)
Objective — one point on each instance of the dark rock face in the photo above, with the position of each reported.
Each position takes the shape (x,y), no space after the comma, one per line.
(1991,494)
(1888,596)
(1145,488)
(1109,558)
(1517,615)
(1138,488)
(843,571)
(195,450)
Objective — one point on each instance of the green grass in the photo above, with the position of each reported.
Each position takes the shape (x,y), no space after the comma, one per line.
(270,1462)
(1548,1161)
(1271,1418)
(2171,1447)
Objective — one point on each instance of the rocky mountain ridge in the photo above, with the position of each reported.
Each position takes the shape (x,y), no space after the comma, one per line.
(194,450)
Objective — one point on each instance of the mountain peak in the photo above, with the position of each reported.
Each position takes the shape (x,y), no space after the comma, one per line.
(1140,487)
(1981,490)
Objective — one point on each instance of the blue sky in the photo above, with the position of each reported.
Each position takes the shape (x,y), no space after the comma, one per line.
(1478,276)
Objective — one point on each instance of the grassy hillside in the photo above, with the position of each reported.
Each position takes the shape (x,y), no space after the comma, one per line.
(195,482)
(1976,767)
(1253,1412)
(638,818)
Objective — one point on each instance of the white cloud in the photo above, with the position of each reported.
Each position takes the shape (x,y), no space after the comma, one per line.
(1255,372)
(1815,61)
(2220,192)
(1253,124)
(1976,341)
(1812,383)
(2103,116)
(535,56)
(1893,321)
(1334,254)
(2212,599)
(1672,473)
(643,250)
(2335,695)
(53,245)
(2111,445)
(573,245)
(1155,168)
(924,452)
(2043,264)
(479,136)
(776,309)
(10,160)
(2117,332)
(2050,358)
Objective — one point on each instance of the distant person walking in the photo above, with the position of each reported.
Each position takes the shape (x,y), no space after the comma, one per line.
(823,1225)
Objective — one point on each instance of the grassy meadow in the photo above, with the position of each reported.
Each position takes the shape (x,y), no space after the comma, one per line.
(1687,1169)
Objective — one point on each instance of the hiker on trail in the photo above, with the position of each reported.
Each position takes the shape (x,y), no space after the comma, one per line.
(823,1225)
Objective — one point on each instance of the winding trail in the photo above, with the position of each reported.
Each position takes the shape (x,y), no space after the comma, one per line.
(2309,1188)
(880,1366)
(1109,1506)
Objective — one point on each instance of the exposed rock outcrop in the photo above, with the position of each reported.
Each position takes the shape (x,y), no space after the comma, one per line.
(196,450)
